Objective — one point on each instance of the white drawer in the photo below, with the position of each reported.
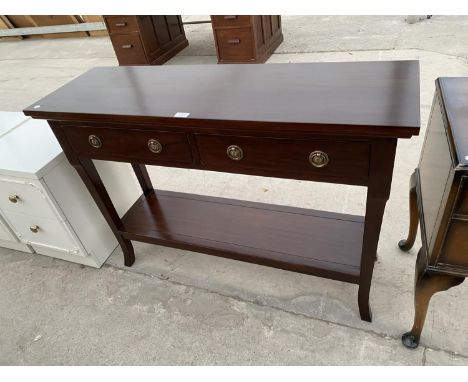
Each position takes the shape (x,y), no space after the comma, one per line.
(51,234)
(5,233)
(26,197)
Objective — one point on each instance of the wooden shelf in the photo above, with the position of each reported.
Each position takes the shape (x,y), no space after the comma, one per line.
(307,241)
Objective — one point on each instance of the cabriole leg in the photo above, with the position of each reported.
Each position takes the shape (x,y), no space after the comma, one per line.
(426,285)
(407,244)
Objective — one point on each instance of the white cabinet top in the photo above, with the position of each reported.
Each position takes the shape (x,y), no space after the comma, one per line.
(9,120)
(30,150)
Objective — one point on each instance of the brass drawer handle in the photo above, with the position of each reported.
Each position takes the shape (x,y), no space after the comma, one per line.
(154,146)
(234,41)
(95,141)
(318,158)
(235,152)
(230,17)
(128,46)
(13,198)
(121,24)
(34,228)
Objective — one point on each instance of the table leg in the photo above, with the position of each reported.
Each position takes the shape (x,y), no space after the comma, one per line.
(90,177)
(143,178)
(93,182)
(378,191)
(426,284)
(406,245)
(374,214)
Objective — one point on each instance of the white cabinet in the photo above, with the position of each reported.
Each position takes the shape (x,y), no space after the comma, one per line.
(9,120)
(44,205)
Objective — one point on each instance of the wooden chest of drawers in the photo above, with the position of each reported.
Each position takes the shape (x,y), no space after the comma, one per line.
(246,38)
(439,199)
(146,40)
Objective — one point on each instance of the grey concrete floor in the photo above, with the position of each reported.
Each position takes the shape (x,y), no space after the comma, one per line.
(177,307)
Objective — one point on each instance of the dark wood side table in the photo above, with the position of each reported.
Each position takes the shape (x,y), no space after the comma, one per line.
(439,199)
(153,40)
(246,39)
(146,40)
(327,122)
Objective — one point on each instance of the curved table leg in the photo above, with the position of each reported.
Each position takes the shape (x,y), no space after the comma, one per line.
(406,245)
(378,191)
(426,285)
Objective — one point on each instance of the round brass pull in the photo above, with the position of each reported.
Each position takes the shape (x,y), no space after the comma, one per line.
(235,152)
(95,141)
(154,146)
(34,228)
(318,158)
(13,198)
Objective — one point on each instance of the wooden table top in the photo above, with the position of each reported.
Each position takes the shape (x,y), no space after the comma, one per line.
(381,95)
(454,92)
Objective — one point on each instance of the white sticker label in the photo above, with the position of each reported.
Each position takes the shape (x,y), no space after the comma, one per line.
(181,115)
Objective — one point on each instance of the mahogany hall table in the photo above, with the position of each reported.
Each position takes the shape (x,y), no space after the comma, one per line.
(327,122)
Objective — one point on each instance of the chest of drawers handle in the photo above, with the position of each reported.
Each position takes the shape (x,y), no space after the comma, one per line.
(127,46)
(154,146)
(235,152)
(34,228)
(230,17)
(121,24)
(234,41)
(318,159)
(13,198)
(94,141)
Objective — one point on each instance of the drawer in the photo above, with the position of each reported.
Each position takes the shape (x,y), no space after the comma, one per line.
(122,24)
(235,44)
(25,197)
(455,248)
(309,158)
(149,146)
(43,232)
(129,49)
(5,233)
(461,204)
(231,21)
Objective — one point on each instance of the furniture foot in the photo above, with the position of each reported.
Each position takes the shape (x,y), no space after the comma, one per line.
(407,244)
(426,285)
(363,301)
(128,252)
(410,341)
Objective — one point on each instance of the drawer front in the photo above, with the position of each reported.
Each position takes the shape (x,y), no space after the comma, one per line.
(158,147)
(455,248)
(42,232)
(310,158)
(461,204)
(129,49)
(25,197)
(5,233)
(235,44)
(122,24)
(231,21)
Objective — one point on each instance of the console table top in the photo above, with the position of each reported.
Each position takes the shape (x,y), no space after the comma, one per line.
(370,98)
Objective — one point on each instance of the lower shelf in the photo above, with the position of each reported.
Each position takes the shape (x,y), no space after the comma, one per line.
(307,241)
